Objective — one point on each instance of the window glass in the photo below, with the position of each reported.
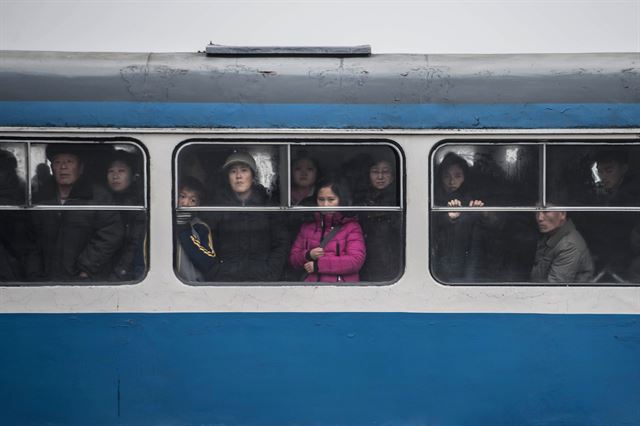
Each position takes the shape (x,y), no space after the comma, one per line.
(594,175)
(82,217)
(288,212)
(547,213)
(12,174)
(498,175)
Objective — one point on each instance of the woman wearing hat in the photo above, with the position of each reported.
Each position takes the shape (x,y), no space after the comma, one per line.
(250,246)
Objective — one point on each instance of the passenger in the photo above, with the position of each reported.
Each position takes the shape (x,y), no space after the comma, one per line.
(607,233)
(76,244)
(562,255)
(250,246)
(304,173)
(18,255)
(122,180)
(331,248)
(621,187)
(11,186)
(194,254)
(41,181)
(457,255)
(382,230)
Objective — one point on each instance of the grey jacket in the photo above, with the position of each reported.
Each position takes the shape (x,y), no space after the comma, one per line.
(562,257)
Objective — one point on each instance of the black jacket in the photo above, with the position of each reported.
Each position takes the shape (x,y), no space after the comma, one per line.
(77,241)
(383,236)
(250,246)
(129,260)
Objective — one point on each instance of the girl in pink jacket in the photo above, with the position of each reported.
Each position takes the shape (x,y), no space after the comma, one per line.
(343,254)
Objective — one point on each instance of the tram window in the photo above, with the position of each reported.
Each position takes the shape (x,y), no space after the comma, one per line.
(73,212)
(560,213)
(594,175)
(255,212)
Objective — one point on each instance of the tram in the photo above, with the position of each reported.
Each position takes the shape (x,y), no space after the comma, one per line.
(432,338)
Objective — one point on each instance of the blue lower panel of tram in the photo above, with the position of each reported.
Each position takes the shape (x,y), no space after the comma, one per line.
(319,369)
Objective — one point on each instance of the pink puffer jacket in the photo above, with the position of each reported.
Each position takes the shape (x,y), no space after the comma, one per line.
(344,254)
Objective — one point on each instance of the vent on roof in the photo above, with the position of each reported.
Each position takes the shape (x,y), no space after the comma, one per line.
(218,50)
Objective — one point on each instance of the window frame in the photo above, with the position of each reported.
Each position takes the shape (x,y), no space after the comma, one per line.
(542,192)
(28,141)
(290,142)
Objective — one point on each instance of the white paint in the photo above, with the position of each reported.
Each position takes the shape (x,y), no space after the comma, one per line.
(161,291)
(427,26)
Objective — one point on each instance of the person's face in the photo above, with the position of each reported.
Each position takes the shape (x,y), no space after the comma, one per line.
(240,178)
(549,221)
(380,175)
(188,198)
(611,173)
(327,198)
(119,176)
(452,178)
(67,169)
(304,173)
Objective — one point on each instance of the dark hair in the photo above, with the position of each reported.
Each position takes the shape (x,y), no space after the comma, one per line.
(193,184)
(126,158)
(451,159)
(385,155)
(620,156)
(339,187)
(8,160)
(54,149)
(305,156)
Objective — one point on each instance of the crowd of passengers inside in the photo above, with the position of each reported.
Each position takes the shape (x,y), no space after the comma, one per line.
(323,246)
(74,245)
(549,246)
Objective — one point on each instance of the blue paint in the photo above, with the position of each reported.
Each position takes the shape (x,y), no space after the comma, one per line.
(319,369)
(367,116)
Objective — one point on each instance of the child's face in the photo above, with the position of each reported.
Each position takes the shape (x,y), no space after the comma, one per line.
(188,198)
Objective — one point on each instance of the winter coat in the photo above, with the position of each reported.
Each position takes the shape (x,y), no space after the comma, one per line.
(562,256)
(382,234)
(344,254)
(250,246)
(129,260)
(75,241)
(457,245)
(194,250)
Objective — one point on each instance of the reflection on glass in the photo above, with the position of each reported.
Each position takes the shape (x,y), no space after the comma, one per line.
(495,175)
(594,175)
(12,174)
(256,246)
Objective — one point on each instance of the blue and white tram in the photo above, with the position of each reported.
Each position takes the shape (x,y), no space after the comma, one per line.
(422,348)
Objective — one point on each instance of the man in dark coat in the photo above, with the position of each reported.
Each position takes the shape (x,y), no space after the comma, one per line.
(562,255)
(76,245)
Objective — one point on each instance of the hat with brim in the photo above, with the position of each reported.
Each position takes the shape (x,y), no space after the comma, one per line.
(242,158)
(64,148)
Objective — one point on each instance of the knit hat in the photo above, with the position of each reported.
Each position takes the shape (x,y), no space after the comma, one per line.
(241,157)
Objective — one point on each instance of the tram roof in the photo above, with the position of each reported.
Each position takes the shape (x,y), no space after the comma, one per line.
(392,79)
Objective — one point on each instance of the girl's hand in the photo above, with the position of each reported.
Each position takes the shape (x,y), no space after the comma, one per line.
(476,203)
(454,203)
(316,253)
(308,267)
